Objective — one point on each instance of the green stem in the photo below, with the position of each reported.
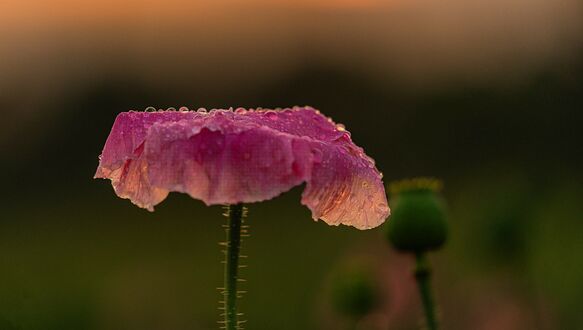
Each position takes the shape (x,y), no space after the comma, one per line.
(235,214)
(422,275)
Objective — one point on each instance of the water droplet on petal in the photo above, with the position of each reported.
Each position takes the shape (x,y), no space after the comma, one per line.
(340,127)
(271,115)
(241,111)
(171,109)
(183,109)
(317,155)
(150,109)
(201,110)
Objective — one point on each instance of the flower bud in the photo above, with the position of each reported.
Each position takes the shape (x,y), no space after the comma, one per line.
(418,220)
(354,291)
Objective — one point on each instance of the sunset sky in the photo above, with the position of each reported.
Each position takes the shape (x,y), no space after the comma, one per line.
(410,38)
(48,46)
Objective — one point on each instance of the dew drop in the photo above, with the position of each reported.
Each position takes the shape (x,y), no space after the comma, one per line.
(150,109)
(340,127)
(171,109)
(317,155)
(183,109)
(241,111)
(201,110)
(271,115)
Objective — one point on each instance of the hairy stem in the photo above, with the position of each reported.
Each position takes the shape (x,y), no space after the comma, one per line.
(422,275)
(234,231)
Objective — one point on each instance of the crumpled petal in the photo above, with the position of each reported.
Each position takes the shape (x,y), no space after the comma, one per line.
(244,156)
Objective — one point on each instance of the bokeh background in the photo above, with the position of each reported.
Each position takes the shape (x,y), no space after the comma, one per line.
(485,94)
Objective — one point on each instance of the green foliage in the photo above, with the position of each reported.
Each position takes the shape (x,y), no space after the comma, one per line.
(7,325)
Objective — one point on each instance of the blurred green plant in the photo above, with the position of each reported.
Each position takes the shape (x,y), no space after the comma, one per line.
(7,325)
(354,292)
(418,225)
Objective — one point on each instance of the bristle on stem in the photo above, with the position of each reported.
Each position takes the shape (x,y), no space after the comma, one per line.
(234,231)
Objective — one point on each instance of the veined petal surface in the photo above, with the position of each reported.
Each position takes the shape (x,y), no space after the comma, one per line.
(244,156)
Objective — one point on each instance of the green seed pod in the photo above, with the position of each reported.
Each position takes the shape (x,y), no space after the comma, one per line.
(354,291)
(418,221)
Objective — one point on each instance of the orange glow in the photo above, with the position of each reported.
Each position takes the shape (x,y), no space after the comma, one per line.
(331,4)
(62,11)
(29,13)
(416,40)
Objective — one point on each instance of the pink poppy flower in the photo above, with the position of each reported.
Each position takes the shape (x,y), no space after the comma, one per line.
(244,156)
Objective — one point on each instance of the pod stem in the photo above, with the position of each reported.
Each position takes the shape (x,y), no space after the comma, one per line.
(422,274)
(235,230)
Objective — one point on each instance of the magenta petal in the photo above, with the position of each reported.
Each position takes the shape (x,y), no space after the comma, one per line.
(241,156)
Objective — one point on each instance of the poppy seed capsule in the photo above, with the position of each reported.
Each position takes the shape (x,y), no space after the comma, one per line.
(354,292)
(418,220)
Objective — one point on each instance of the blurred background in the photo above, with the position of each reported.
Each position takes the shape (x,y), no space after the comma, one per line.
(485,94)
